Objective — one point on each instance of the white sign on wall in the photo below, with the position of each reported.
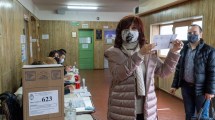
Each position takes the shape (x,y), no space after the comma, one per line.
(74,34)
(45,36)
(23,52)
(85,26)
(44,102)
(22,38)
(105,27)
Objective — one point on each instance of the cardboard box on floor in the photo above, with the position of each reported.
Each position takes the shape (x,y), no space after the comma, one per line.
(43,92)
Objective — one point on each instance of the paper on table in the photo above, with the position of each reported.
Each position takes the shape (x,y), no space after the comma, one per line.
(80,103)
(163,41)
(82,92)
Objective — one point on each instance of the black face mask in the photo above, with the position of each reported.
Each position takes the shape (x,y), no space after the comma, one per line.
(192,38)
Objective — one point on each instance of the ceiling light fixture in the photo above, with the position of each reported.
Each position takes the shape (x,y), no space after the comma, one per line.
(82,7)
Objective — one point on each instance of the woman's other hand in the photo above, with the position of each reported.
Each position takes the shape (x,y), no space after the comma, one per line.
(147,49)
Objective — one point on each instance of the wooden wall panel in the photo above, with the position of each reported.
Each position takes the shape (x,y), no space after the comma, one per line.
(147,6)
(98,46)
(60,36)
(11,27)
(1,63)
(34,34)
(72,43)
(182,11)
(18,27)
(44,29)
(7,45)
(208,21)
(99,53)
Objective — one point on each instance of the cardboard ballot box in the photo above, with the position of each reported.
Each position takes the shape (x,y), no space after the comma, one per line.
(43,92)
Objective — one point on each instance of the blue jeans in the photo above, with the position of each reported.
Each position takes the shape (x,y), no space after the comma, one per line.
(193,103)
(205,112)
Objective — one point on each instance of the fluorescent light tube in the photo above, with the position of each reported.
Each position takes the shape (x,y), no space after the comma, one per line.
(82,7)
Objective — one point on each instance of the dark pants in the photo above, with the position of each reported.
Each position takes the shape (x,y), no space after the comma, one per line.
(193,103)
(140,117)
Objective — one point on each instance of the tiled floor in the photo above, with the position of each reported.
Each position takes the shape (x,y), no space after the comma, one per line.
(98,81)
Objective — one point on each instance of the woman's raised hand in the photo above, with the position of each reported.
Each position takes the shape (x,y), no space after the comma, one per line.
(177,45)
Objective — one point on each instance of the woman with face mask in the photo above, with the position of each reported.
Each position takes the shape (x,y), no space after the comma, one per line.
(133,65)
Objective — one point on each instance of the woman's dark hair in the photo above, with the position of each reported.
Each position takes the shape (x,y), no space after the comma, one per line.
(63,50)
(52,53)
(125,23)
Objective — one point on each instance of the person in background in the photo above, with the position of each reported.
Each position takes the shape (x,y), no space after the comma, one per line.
(54,53)
(133,64)
(63,50)
(195,73)
(62,56)
(50,60)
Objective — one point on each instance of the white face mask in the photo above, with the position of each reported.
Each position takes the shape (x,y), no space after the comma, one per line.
(130,36)
(61,61)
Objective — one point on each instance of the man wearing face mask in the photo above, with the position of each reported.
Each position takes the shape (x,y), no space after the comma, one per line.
(195,73)
(62,56)
(133,64)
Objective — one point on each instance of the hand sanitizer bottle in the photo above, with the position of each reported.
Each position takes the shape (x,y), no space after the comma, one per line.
(74,67)
(71,113)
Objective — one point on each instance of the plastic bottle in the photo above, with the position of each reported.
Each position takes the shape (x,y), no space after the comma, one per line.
(83,83)
(76,71)
(71,113)
(74,67)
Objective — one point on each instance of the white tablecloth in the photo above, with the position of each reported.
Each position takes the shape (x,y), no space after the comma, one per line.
(83,117)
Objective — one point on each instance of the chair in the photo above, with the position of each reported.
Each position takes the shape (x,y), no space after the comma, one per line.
(10,106)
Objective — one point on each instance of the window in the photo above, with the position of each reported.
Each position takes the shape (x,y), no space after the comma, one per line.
(181,32)
(165,30)
(199,22)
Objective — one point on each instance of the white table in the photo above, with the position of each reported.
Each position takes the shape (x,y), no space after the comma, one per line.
(83,117)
